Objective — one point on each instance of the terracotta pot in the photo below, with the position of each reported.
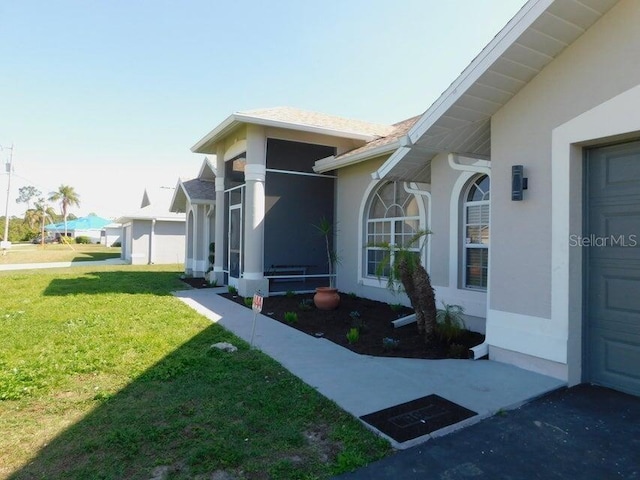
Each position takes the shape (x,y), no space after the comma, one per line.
(326,298)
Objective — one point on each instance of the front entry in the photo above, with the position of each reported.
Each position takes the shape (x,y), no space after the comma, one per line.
(612,264)
(235,235)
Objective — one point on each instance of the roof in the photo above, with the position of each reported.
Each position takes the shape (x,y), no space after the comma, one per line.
(193,191)
(459,121)
(90,222)
(374,148)
(294,119)
(155,206)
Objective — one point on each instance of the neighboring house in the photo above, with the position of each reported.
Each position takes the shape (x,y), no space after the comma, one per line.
(557,92)
(111,234)
(152,234)
(90,226)
(267,197)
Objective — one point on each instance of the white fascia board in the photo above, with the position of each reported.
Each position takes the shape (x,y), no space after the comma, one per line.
(301,127)
(207,164)
(391,162)
(215,134)
(487,57)
(331,163)
(179,187)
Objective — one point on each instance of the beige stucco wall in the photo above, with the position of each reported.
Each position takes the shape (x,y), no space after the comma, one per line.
(600,65)
(354,186)
(169,242)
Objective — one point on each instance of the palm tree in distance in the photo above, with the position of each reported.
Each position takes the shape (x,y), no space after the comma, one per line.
(67,197)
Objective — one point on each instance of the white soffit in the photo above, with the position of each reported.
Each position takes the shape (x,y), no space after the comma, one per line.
(460,120)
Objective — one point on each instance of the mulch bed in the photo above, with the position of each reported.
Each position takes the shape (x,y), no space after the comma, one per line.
(375,322)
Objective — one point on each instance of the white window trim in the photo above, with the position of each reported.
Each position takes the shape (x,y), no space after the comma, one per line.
(463,233)
(365,204)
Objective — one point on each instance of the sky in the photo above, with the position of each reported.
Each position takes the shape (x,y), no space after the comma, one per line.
(108,96)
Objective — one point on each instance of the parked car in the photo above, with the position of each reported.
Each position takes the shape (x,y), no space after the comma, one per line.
(47,239)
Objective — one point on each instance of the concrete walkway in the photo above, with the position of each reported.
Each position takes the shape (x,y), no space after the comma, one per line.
(35,266)
(363,384)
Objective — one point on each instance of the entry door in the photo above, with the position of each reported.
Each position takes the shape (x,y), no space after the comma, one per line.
(612,252)
(235,244)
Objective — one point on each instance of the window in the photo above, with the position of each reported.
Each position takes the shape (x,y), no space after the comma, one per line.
(476,233)
(392,219)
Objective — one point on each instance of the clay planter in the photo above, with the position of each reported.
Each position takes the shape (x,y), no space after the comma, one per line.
(326,298)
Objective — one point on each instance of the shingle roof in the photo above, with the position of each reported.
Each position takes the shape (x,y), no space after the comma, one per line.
(399,129)
(296,116)
(200,189)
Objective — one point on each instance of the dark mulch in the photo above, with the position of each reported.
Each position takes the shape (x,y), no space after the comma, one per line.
(196,282)
(375,322)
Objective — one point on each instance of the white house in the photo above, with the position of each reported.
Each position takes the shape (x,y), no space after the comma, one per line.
(550,272)
(153,234)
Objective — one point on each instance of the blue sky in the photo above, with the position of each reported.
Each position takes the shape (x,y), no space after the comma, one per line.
(108,96)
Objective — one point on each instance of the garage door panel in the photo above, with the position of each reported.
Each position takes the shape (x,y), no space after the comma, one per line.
(616,357)
(612,287)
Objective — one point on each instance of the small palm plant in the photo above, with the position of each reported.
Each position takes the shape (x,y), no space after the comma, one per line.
(325,228)
(450,320)
(404,271)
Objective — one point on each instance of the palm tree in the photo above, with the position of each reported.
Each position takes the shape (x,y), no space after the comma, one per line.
(67,197)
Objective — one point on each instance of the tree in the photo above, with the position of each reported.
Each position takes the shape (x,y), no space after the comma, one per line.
(67,197)
(403,266)
(26,194)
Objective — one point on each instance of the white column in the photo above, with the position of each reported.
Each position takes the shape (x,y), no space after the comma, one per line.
(220,231)
(254,175)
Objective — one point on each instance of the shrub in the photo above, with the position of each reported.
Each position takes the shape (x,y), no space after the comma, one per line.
(116,244)
(450,322)
(396,307)
(353,335)
(232,290)
(83,239)
(305,304)
(389,343)
(248,301)
(290,317)
(290,294)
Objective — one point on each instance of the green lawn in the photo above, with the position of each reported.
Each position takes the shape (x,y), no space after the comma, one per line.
(57,253)
(104,375)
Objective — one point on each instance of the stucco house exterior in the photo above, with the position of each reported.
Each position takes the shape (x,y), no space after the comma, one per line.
(152,234)
(551,273)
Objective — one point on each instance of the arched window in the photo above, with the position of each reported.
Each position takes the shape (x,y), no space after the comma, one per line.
(392,219)
(476,233)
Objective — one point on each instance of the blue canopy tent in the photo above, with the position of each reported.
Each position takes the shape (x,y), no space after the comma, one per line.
(89,226)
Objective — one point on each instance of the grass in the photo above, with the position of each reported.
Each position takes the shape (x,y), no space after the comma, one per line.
(31,253)
(104,375)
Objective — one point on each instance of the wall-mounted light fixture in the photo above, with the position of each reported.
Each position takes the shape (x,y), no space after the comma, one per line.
(519,182)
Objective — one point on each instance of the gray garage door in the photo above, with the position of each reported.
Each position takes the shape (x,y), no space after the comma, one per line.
(612,287)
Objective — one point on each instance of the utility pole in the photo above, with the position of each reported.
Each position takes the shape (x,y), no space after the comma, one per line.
(5,244)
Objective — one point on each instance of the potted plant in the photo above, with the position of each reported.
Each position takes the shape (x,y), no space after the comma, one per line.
(327,298)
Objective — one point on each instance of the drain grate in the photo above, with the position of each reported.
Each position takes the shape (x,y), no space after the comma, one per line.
(418,417)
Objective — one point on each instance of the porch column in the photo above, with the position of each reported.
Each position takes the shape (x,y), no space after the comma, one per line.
(220,230)
(254,175)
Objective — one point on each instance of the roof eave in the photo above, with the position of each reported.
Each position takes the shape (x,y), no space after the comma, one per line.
(332,163)
(489,54)
(216,134)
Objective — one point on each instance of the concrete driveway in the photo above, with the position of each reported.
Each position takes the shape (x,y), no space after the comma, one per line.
(584,432)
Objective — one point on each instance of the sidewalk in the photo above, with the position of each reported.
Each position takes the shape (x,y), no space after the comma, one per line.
(363,384)
(35,266)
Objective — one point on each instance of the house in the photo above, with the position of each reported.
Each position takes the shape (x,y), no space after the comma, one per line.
(111,234)
(553,98)
(152,234)
(90,226)
(260,201)
(526,170)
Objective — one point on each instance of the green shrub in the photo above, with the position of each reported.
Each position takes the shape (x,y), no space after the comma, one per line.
(232,290)
(353,335)
(450,322)
(290,317)
(248,301)
(83,239)
(117,244)
(305,304)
